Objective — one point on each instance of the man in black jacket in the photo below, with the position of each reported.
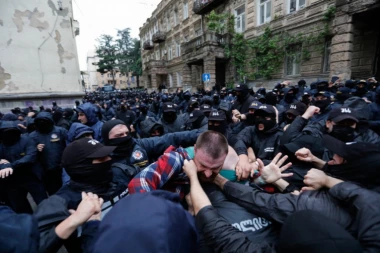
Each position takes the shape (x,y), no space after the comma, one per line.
(263,138)
(169,119)
(141,152)
(50,141)
(244,99)
(18,153)
(89,166)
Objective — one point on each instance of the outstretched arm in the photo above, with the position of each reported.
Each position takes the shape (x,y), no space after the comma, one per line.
(219,235)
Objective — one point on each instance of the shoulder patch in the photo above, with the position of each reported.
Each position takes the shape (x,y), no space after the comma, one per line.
(137,155)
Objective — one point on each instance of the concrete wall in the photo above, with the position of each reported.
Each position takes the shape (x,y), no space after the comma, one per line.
(38,54)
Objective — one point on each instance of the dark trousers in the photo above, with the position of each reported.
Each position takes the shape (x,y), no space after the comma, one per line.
(53,180)
(17,189)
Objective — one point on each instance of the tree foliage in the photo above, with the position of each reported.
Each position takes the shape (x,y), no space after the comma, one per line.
(263,56)
(121,54)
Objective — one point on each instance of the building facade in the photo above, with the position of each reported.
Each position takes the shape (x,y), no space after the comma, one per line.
(97,79)
(177,46)
(38,54)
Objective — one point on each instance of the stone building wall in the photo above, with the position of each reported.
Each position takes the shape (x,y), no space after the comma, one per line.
(349,49)
(38,54)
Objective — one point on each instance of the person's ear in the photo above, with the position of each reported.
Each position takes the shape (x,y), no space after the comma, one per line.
(329,124)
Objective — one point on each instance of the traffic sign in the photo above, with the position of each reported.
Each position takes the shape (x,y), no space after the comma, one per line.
(206,77)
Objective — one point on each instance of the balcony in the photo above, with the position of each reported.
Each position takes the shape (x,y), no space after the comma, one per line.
(159,37)
(207,38)
(201,7)
(148,45)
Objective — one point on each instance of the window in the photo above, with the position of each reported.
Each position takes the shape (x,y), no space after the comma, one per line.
(198,32)
(293,60)
(162,52)
(121,81)
(185,10)
(240,19)
(168,25)
(170,56)
(326,57)
(158,55)
(264,9)
(170,80)
(179,79)
(177,49)
(295,5)
(186,38)
(175,17)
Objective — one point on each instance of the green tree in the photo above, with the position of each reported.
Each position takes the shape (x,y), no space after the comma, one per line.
(107,51)
(121,54)
(125,45)
(136,63)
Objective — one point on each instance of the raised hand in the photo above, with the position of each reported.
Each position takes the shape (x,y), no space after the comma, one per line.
(273,171)
(310,112)
(305,155)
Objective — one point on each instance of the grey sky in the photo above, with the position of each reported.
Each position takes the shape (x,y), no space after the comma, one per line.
(98,17)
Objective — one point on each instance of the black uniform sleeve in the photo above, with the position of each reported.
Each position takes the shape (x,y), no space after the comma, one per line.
(243,141)
(294,130)
(222,237)
(155,146)
(29,157)
(364,204)
(269,206)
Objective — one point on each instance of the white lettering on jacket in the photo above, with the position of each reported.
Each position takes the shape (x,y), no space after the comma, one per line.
(269,149)
(252,225)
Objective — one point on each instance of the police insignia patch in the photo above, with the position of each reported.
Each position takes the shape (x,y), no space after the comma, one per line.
(137,155)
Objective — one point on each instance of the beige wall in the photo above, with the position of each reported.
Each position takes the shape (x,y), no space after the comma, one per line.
(38,52)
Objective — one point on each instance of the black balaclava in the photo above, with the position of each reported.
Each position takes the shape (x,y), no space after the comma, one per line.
(250,119)
(289,97)
(44,126)
(361,90)
(220,129)
(289,120)
(242,96)
(57,115)
(322,104)
(216,100)
(10,136)
(271,98)
(268,124)
(343,133)
(89,177)
(170,117)
(157,127)
(124,145)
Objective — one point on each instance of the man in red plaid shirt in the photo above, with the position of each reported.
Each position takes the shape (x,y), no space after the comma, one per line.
(210,152)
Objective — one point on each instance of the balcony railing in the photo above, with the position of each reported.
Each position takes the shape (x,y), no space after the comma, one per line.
(159,37)
(148,45)
(205,6)
(206,38)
